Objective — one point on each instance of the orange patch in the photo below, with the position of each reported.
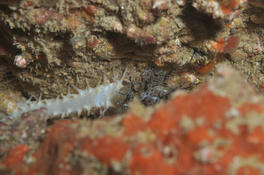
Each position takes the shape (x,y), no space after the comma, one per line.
(199,104)
(198,135)
(256,136)
(231,44)
(245,108)
(15,155)
(147,160)
(203,70)
(219,45)
(248,171)
(228,5)
(133,124)
(106,148)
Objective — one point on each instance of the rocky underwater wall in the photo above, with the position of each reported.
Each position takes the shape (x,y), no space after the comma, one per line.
(143,87)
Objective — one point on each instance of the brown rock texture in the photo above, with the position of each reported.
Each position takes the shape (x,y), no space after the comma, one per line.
(191,102)
(48,46)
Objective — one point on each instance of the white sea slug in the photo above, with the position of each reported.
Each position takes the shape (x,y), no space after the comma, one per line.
(100,97)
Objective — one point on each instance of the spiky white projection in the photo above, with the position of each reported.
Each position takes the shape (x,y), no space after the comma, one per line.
(99,97)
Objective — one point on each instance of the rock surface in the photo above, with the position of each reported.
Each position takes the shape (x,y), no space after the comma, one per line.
(49,46)
(216,129)
(210,52)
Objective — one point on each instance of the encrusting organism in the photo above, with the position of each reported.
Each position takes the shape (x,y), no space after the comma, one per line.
(98,97)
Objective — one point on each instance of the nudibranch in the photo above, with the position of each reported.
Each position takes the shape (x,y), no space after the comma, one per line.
(98,97)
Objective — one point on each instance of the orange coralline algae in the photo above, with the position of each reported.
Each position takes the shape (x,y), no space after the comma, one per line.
(256,136)
(232,43)
(248,107)
(148,160)
(228,5)
(226,45)
(219,45)
(200,104)
(15,156)
(100,148)
(248,171)
(133,124)
(203,70)
(201,132)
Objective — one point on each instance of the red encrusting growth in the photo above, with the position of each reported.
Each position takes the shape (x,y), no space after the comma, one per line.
(228,5)
(189,134)
(245,108)
(231,44)
(15,156)
(205,69)
(248,171)
(133,124)
(226,45)
(106,149)
(200,104)
(148,160)
(219,45)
